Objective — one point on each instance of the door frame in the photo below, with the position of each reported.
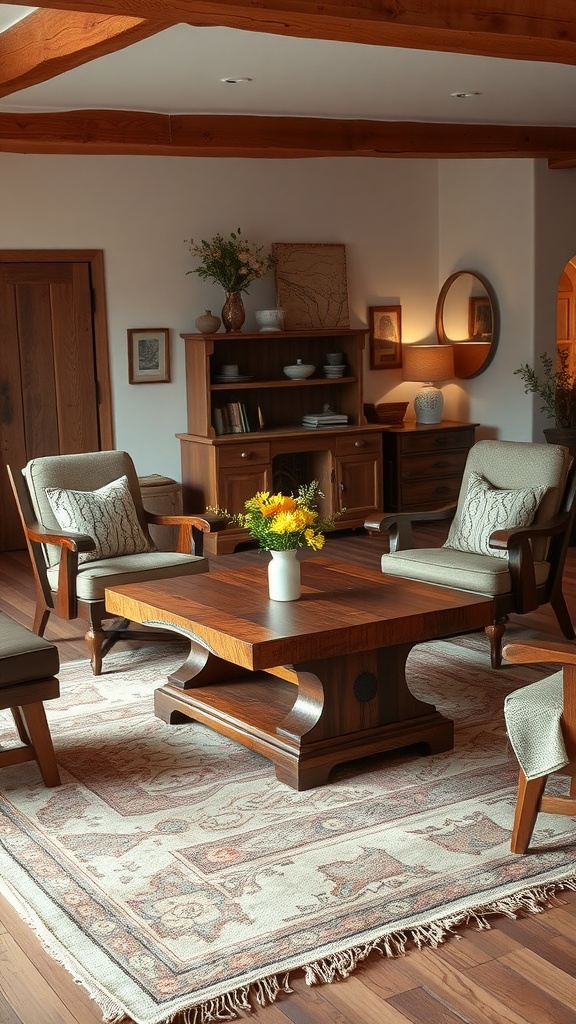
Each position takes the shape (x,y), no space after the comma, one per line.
(95,257)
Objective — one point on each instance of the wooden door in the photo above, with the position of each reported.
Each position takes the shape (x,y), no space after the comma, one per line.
(566,316)
(49,380)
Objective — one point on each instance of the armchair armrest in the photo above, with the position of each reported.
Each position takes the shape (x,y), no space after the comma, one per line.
(520,557)
(522,652)
(61,538)
(190,540)
(399,524)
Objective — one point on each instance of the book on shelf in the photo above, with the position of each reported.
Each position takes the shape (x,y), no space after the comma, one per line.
(218,421)
(235,416)
(231,418)
(325,419)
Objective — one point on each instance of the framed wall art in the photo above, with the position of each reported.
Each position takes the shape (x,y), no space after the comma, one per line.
(385,324)
(479,317)
(311,284)
(149,355)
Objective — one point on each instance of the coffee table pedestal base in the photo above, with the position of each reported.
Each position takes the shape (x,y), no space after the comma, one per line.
(308,718)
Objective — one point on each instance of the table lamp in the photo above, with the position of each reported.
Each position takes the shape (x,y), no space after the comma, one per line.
(428,364)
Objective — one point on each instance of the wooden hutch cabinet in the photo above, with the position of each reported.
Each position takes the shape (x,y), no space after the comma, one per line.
(424,463)
(271,449)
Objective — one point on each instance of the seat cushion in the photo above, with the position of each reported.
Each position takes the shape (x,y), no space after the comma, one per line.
(94,577)
(461,570)
(486,509)
(24,657)
(108,515)
(533,721)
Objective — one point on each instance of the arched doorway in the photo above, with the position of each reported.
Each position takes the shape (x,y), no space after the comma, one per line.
(566,314)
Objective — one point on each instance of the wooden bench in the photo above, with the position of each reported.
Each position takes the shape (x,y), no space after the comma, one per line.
(28,664)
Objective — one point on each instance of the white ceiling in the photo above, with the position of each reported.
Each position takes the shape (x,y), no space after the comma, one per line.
(178,71)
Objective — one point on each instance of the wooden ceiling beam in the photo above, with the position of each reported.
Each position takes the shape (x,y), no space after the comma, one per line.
(517,29)
(48,43)
(193,135)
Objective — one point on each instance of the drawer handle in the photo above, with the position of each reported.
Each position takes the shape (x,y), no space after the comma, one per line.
(247,455)
(441,490)
(441,441)
(359,444)
(441,464)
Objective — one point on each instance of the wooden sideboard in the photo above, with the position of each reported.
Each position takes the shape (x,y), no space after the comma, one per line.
(277,452)
(424,463)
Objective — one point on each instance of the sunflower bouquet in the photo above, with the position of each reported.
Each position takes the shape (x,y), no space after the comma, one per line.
(280,522)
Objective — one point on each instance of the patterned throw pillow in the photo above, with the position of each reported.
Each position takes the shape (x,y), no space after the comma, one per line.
(108,515)
(487,509)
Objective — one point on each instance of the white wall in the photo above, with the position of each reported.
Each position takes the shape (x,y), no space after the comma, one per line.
(486,224)
(139,211)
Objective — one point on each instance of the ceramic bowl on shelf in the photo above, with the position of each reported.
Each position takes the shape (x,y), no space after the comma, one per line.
(334,371)
(299,371)
(270,319)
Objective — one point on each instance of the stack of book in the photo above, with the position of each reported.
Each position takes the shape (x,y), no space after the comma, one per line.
(325,419)
(231,418)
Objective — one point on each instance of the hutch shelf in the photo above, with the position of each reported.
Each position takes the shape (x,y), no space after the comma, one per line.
(271,449)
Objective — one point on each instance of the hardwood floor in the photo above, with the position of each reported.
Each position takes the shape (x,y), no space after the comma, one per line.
(518,971)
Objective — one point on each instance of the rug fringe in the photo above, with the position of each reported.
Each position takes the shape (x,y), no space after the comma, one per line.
(340,965)
(225,1007)
(328,969)
(343,963)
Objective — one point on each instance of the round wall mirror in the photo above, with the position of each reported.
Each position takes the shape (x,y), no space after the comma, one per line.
(467,318)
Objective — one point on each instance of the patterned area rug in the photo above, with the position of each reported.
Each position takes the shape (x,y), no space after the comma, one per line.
(171,871)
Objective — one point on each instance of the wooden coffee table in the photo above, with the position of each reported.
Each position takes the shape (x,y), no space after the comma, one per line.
(308,683)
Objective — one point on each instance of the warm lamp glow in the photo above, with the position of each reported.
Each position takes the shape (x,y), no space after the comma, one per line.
(428,363)
(469,357)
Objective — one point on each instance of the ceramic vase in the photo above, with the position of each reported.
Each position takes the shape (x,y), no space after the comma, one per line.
(233,313)
(207,323)
(284,580)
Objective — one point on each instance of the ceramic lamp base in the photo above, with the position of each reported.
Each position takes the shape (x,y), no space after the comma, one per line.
(428,404)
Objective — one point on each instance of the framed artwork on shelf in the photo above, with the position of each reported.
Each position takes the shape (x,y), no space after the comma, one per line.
(149,355)
(480,317)
(385,324)
(311,284)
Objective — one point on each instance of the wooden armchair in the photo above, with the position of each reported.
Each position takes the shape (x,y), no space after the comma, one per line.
(86,529)
(509,533)
(541,724)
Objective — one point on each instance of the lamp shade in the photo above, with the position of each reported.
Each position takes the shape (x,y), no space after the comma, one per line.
(427,362)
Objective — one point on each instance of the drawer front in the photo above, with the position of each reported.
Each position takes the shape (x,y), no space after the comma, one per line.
(435,442)
(355,444)
(429,495)
(428,467)
(236,455)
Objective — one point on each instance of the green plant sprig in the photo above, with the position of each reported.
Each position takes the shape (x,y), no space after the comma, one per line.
(556,387)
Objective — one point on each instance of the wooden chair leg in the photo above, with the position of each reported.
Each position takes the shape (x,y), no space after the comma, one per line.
(37,727)
(19,723)
(562,614)
(495,634)
(528,800)
(41,616)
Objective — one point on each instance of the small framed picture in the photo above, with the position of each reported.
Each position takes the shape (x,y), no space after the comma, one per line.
(385,323)
(480,317)
(149,355)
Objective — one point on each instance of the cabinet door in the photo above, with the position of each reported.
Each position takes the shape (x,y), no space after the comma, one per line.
(358,484)
(237,484)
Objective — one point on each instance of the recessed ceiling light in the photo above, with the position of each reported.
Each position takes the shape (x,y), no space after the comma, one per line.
(464,95)
(235,81)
